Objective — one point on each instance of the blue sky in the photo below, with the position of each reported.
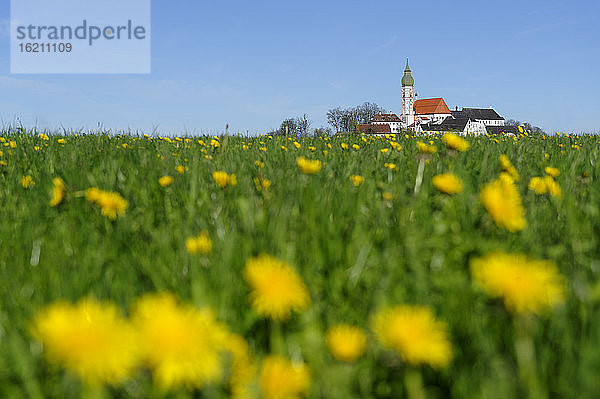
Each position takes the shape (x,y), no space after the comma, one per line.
(253,63)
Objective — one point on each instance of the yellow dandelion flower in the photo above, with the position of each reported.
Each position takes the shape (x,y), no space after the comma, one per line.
(297,145)
(89,339)
(415,334)
(346,343)
(308,166)
(58,191)
(223,179)
(356,146)
(199,244)
(448,183)
(396,145)
(387,196)
(282,379)
(553,186)
(384,150)
(425,148)
(390,166)
(356,180)
(455,142)
(182,345)
(276,288)
(215,143)
(344,146)
(27,181)
(503,202)
(243,367)
(508,167)
(545,185)
(538,185)
(111,203)
(262,183)
(526,286)
(3,163)
(180,169)
(165,181)
(554,172)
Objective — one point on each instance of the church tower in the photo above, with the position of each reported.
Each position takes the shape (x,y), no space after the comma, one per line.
(408,97)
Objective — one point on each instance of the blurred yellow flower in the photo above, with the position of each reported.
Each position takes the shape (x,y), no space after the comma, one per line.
(27,181)
(13,144)
(111,203)
(282,379)
(387,196)
(346,343)
(356,146)
(180,169)
(507,166)
(425,148)
(182,345)
(390,166)
(262,183)
(215,143)
(455,142)
(165,181)
(396,145)
(344,146)
(546,184)
(276,288)
(223,179)
(415,334)
(384,150)
(89,339)
(527,286)
(538,185)
(243,367)
(297,145)
(356,180)
(447,183)
(308,166)
(61,141)
(58,191)
(554,172)
(199,244)
(503,202)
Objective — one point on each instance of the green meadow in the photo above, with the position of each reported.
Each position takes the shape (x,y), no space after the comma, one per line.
(392,239)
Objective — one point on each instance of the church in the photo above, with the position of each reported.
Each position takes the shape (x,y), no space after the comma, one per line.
(433,115)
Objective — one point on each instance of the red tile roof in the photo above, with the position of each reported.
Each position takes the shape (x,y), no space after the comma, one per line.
(382,128)
(385,118)
(431,106)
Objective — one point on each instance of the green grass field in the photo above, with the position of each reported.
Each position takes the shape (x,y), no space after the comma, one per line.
(357,249)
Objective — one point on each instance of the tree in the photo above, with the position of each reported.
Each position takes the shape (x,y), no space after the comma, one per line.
(334,117)
(347,119)
(303,125)
(289,127)
(299,126)
(527,126)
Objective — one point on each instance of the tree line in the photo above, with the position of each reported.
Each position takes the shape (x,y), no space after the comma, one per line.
(340,119)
